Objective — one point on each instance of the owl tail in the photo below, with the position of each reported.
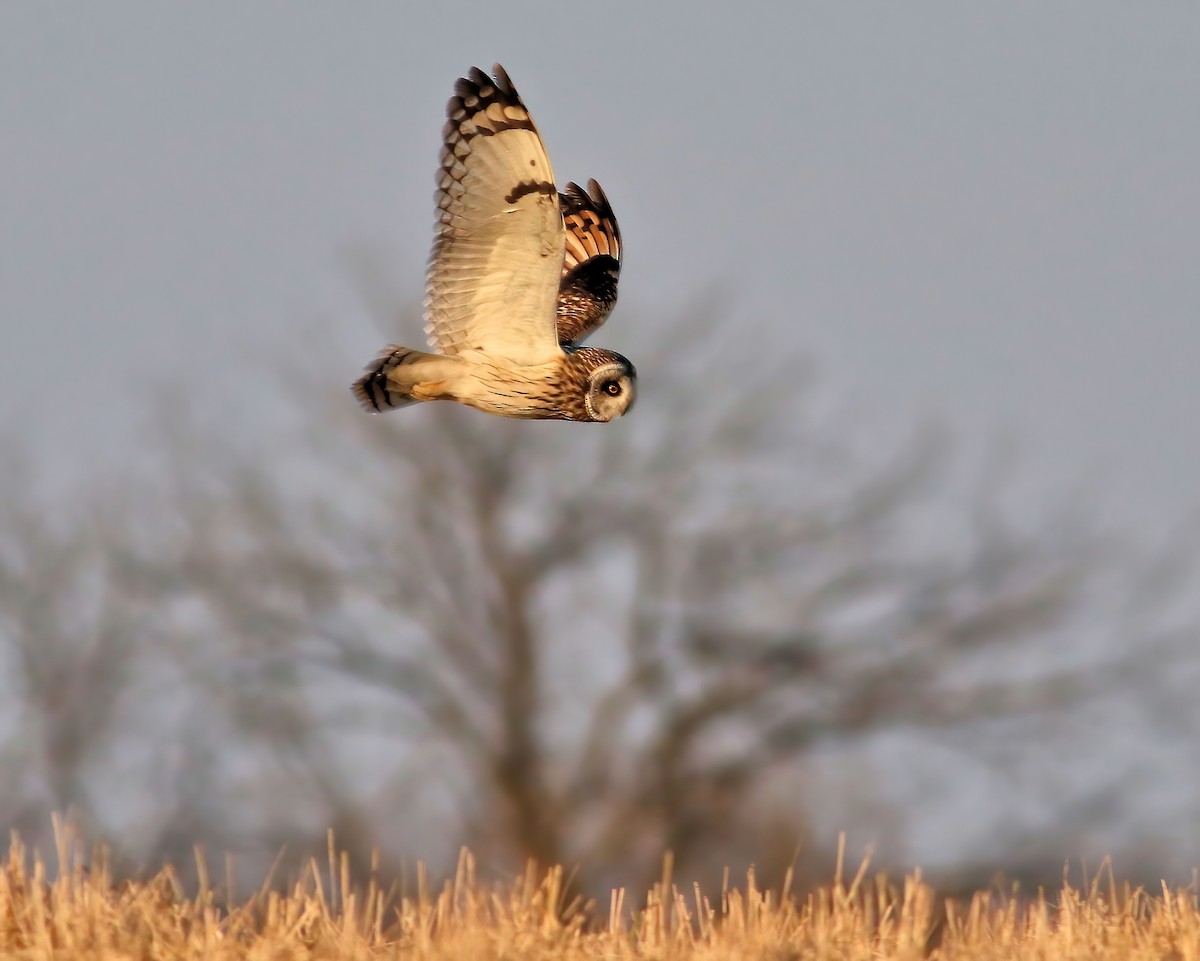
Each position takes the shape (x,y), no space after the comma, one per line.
(400,376)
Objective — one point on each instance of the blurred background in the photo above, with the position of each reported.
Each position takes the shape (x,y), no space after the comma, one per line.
(898,542)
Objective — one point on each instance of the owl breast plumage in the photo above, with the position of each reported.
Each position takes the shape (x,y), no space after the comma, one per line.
(519,275)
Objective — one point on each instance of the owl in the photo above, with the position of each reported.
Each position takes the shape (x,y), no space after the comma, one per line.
(520,274)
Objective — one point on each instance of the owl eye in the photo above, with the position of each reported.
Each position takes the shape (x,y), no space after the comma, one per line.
(612,388)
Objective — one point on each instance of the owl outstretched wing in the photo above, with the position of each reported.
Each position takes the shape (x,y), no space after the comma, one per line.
(492,283)
(592,265)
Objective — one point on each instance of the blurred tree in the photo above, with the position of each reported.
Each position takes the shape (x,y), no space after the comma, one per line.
(70,635)
(571,643)
(591,645)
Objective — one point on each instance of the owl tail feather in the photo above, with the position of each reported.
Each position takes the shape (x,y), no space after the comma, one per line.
(398,377)
(375,390)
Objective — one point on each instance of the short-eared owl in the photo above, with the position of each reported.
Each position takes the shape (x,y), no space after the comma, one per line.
(518,277)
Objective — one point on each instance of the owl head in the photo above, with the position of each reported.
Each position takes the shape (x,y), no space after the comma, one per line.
(611,386)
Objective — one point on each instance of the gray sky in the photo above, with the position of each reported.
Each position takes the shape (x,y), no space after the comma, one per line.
(985,211)
(988,212)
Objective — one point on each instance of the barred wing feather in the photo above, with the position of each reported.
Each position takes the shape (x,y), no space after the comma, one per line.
(492,282)
(592,264)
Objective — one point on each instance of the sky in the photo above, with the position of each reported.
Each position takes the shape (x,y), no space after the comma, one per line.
(985,213)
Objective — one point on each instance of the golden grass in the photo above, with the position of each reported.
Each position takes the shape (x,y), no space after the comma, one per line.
(82,915)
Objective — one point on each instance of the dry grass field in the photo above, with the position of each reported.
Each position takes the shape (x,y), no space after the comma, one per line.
(81,914)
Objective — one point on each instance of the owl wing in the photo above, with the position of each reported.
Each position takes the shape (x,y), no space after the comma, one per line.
(493,276)
(588,287)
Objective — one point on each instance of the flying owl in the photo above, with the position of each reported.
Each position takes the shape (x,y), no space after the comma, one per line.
(519,276)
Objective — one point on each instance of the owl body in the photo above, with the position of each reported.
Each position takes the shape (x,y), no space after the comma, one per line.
(585,384)
(519,275)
